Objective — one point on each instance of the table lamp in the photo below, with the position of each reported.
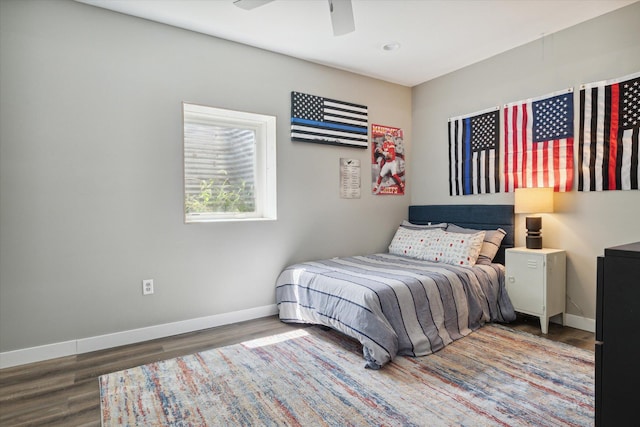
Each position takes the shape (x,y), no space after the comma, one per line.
(534,200)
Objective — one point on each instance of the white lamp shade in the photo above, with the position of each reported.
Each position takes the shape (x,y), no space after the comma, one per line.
(533,200)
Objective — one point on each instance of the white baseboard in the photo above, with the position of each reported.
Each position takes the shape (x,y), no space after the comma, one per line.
(100,342)
(580,322)
(37,354)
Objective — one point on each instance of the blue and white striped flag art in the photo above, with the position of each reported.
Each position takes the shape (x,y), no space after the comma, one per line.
(327,121)
(474,153)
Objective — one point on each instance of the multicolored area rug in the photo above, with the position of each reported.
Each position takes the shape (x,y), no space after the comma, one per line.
(311,377)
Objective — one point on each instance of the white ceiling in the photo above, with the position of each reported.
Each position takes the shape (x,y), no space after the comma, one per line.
(436,36)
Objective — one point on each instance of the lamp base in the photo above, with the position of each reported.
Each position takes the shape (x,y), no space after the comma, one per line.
(534,236)
(534,242)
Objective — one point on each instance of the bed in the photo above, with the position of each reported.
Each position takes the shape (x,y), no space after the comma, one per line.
(412,300)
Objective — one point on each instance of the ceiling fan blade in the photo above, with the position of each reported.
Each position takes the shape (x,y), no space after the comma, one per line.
(250,4)
(341,17)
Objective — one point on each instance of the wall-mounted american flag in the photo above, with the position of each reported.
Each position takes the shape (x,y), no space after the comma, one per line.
(538,142)
(327,121)
(609,128)
(474,154)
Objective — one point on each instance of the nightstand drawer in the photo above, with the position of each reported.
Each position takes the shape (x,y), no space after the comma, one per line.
(525,276)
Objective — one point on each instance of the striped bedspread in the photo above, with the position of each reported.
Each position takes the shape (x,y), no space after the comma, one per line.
(394,305)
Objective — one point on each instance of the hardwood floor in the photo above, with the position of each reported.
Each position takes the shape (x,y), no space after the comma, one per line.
(565,334)
(64,391)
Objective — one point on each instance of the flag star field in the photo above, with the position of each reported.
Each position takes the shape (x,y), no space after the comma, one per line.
(631,104)
(553,118)
(484,132)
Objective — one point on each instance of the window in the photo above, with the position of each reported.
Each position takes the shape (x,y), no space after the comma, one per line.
(229,165)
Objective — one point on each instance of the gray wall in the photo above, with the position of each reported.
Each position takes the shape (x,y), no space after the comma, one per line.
(584,223)
(91,174)
(91,166)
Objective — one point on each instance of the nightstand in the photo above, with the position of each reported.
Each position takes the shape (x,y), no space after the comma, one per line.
(536,282)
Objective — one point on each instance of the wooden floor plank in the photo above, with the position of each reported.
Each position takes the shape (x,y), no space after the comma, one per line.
(44,385)
(65,391)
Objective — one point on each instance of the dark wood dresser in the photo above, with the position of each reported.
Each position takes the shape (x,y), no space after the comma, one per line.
(618,337)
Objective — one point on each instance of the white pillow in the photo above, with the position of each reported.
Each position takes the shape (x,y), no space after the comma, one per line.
(490,246)
(454,248)
(410,242)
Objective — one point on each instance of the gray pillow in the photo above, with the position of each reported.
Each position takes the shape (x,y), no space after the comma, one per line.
(407,224)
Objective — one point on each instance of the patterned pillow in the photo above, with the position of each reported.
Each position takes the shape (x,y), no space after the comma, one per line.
(454,248)
(410,242)
(490,245)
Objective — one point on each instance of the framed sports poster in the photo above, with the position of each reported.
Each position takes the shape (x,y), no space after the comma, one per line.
(387,160)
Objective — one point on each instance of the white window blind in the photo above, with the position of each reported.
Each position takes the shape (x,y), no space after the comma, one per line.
(229,165)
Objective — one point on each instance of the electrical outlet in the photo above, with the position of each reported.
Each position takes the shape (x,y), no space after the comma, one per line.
(147,287)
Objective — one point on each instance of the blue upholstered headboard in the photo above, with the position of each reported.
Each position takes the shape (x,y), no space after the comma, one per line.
(481,217)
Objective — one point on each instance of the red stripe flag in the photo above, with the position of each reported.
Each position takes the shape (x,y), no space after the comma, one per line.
(538,141)
(609,128)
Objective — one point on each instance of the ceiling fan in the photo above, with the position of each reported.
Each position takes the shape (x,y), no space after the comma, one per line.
(341,13)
